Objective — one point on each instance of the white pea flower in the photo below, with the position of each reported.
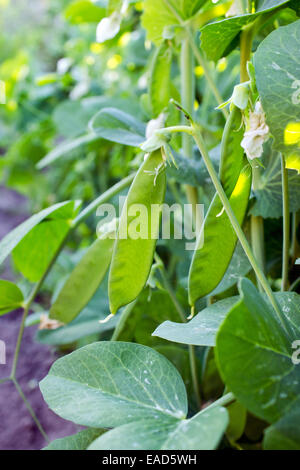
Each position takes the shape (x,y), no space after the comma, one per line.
(109,27)
(154,138)
(156,141)
(256,134)
(81,89)
(155,124)
(63,65)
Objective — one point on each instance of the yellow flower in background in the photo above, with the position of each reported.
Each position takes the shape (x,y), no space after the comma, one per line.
(292,162)
(96,48)
(114,62)
(292,133)
(199,71)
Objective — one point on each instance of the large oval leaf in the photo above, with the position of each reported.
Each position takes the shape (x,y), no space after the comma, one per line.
(109,384)
(202,432)
(255,354)
(79,441)
(117,126)
(216,37)
(285,434)
(276,63)
(202,329)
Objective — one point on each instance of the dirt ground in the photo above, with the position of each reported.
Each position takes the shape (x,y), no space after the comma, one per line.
(17,429)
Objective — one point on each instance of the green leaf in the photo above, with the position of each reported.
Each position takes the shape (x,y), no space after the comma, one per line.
(62,210)
(210,262)
(268,191)
(71,118)
(35,251)
(202,329)
(114,5)
(187,171)
(133,256)
(180,358)
(84,11)
(237,421)
(239,267)
(202,432)
(191,7)
(160,78)
(251,339)
(285,434)
(79,441)
(217,37)
(169,13)
(66,147)
(276,62)
(155,23)
(109,384)
(11,297)
(83,281)
(117,126)
(150,311)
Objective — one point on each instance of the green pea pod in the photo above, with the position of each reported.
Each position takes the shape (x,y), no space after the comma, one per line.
(232,154)
(133,253)
(83,281)
(210,262)
(160,78)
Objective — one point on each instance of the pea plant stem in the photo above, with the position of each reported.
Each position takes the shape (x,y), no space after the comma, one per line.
(257,229)
(286,225)
(223,401)
(236,226)
(181,313)
(32,413)
(187,99)
(294,244)
(257,242)
(257,223)
(207,72)
(123,320)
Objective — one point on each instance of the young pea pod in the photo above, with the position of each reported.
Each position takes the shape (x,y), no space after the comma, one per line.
(160,78)
(210,262)
(83,281)
(138,233)
(232,154)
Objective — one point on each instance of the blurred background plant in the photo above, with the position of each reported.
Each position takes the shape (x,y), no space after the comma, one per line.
(57,80)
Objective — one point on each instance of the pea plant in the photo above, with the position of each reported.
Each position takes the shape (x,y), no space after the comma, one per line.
(175,348)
